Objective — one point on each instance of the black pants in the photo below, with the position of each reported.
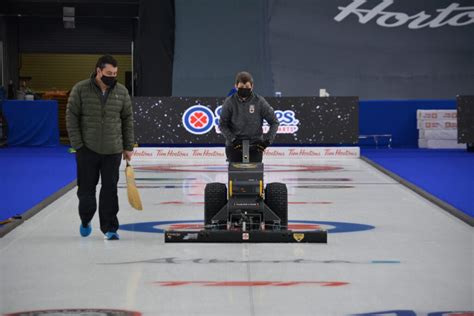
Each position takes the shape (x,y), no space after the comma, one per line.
(89,166)
(236,155)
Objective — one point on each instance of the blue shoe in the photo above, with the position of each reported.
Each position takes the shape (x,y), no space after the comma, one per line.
(112,236)
(85,231)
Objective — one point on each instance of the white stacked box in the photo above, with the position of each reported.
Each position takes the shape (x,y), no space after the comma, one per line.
(438,129)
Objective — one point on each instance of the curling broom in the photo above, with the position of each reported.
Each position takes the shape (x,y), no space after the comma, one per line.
(132,191)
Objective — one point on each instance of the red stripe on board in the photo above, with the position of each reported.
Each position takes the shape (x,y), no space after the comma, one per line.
(202,203)
(201,226)
(76,311)
(304,203)
(303,226)
(202,194)
(250,283)
(240,283)
(185,168)
(186,226)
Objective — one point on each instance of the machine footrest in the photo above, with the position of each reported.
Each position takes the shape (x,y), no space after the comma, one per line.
(256,236)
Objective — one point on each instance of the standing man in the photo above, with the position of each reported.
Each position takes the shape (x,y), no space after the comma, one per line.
(100,126)
(242,118)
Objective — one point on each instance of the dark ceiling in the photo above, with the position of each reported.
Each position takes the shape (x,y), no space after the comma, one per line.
(83,8)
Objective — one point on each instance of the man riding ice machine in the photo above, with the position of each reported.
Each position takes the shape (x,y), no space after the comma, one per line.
(246,210)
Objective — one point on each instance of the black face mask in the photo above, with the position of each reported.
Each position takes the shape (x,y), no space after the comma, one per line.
(108,81)
(244,93)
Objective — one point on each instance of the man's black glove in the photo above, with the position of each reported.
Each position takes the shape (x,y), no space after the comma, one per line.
(262,145)
(237,144)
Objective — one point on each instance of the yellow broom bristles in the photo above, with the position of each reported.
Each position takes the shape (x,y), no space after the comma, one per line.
(132,191)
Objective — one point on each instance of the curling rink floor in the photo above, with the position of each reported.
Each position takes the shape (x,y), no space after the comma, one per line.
(389,252)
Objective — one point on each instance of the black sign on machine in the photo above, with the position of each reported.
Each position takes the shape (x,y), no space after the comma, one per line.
(465,106)
(195,120)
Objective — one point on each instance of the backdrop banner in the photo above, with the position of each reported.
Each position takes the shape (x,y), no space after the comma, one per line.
(195,121)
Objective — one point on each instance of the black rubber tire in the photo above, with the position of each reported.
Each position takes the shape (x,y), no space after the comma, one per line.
(276,198)
(215,197)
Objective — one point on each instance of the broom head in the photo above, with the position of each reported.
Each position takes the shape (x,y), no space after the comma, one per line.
(132,191)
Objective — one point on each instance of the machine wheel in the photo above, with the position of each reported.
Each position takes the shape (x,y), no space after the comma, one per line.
(276,197)
(215,197)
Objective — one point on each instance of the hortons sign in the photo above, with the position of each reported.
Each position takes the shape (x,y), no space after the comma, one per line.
(452,15)
(195,121)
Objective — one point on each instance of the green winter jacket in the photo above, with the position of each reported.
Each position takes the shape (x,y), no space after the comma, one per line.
(102,124)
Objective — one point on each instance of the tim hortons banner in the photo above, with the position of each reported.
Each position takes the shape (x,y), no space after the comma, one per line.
(155,154)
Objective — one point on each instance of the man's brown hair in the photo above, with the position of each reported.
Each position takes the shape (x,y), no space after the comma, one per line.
(243,77)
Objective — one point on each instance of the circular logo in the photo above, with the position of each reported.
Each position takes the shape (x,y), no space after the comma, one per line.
(198,119)
(295,225)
